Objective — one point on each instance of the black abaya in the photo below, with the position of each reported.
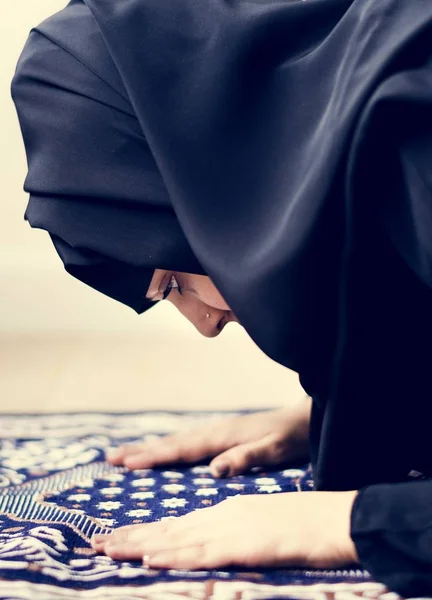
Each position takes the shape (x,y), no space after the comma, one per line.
(283,148)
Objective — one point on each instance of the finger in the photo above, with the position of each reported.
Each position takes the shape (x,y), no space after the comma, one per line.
(187,446)
(180,448)
(98,542)
(200,556)
(243,457)
(129,541)
(135,546)
(134,534)
(212,552)
(164,528)
(116,456)
(134,551)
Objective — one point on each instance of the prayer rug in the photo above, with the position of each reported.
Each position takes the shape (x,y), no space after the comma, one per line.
(56,491)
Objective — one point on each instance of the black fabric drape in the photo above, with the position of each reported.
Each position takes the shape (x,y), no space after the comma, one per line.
(284,149)
(392,530)
(92,179)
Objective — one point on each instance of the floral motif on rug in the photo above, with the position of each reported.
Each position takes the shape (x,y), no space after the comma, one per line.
(56,491)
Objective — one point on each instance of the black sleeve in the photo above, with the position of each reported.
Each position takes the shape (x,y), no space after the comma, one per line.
(392,523)
(391,527)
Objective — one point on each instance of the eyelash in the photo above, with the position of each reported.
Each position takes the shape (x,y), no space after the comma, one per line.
(173,284)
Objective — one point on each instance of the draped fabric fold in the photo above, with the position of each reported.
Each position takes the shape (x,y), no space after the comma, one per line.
(281,147)
(90,170)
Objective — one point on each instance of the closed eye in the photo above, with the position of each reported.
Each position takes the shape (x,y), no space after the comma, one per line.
(173,284)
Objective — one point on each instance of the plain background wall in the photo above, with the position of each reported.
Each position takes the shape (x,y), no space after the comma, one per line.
(38,300)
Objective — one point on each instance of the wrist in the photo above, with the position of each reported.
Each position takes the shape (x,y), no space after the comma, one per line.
(348,503)
(300,413)
(298,410)
(297,419)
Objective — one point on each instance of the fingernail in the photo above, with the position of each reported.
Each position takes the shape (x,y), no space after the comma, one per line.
(161,560)
(222,469)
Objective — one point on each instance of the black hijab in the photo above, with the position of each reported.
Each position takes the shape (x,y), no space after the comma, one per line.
(277,146)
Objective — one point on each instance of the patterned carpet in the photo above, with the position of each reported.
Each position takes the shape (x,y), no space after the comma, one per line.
(56,491)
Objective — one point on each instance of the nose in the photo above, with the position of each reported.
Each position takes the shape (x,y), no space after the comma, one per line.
(196,312)
(211,326)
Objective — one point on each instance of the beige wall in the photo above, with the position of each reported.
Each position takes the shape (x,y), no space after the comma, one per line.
(16,242)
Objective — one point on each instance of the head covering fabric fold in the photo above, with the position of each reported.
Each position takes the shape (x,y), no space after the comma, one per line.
(279,147)
(92,179)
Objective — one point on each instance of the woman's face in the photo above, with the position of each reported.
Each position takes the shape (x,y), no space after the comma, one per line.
(196,297)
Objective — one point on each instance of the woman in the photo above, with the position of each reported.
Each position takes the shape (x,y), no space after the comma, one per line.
(280,149)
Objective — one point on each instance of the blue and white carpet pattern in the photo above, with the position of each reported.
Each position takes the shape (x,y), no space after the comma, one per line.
(56,491)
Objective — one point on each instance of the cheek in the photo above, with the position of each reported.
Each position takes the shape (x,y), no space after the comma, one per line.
(204,290)
(212,297)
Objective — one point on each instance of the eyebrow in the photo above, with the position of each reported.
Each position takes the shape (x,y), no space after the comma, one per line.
(186,289)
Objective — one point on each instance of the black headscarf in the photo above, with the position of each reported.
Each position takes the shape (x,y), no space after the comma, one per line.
(282,148)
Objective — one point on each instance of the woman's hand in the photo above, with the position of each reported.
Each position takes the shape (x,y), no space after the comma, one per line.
(236,444)
(308,529)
